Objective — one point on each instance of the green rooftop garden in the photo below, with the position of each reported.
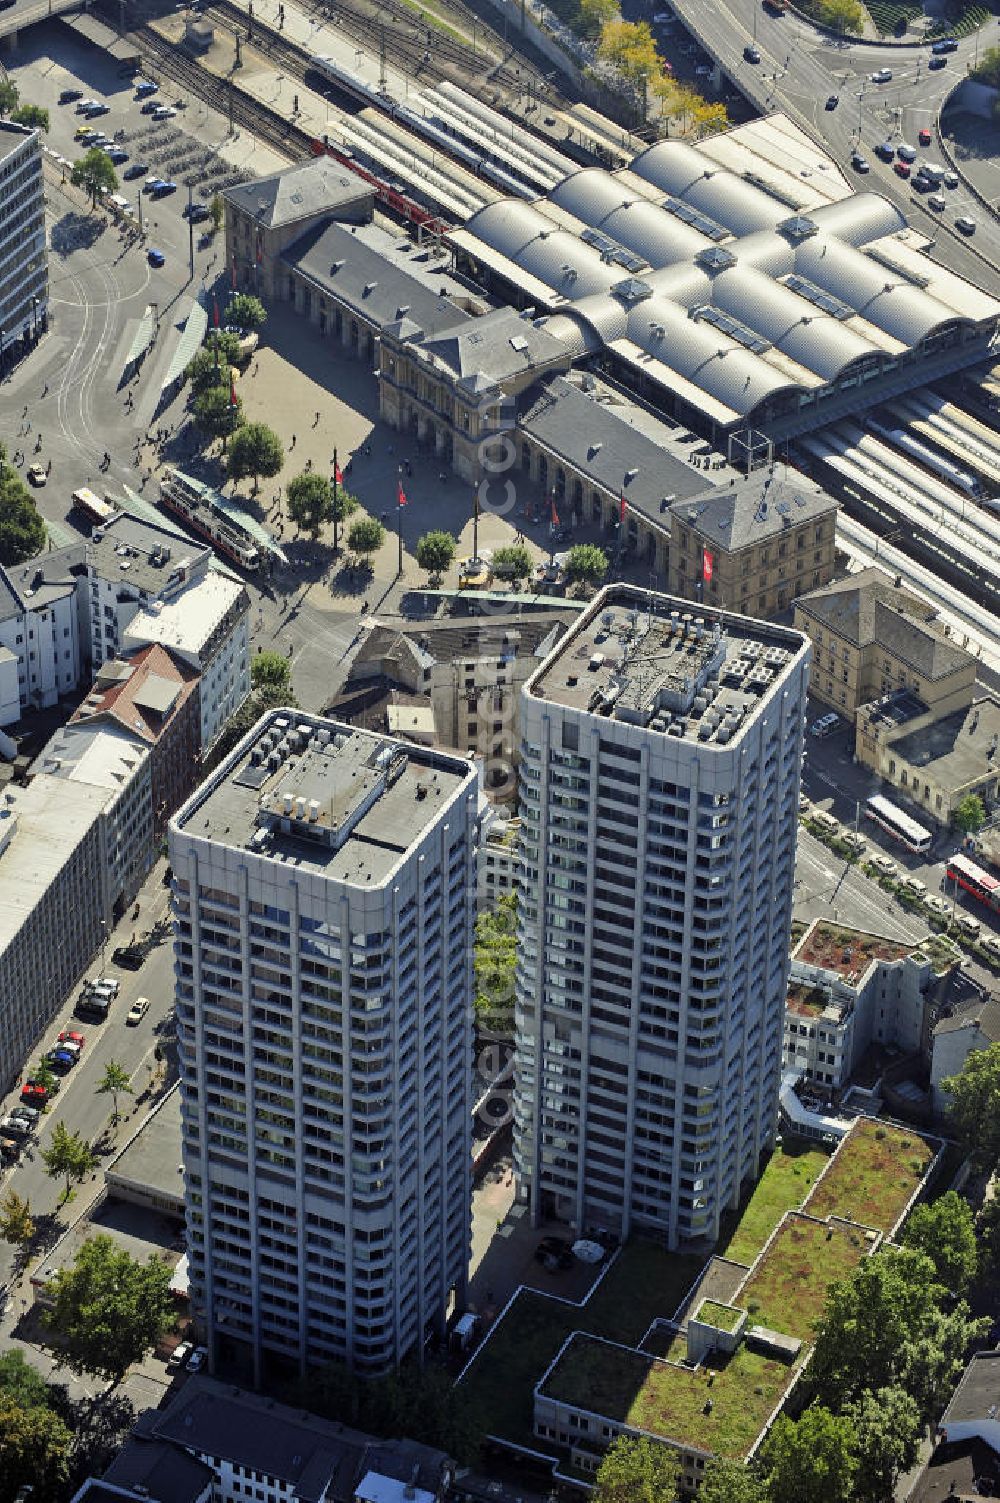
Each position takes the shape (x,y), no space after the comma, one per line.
(788,1177)
(723,1317)
(787,1290)
(873,1180)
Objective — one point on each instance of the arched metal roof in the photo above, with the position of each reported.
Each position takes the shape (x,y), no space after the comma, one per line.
(795,326)
(882,296)
(685,173)
(859,219)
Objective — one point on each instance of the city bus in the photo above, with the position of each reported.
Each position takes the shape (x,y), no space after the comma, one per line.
(897,824)
(980,883)
(97,511)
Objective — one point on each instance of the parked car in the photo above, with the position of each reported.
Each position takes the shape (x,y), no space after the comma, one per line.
(163,188)
(824,726)
(10,1150)
(180,1354)
(118,154)
(84,133)
(85,105)
(914,886)
(149,107)
(60,1060)
(137,1011)
(197,213)
(991,944)
(884,865)
(145,87)
(197,1360)
(938,905)
(109,984)
(37,474)
(28,1114)
(70,96)
(17,1127)
(130,956)
(136,169)
(924,136)
(164,112)
(969,925)
(33,1094)
(71,1036)
(93,110)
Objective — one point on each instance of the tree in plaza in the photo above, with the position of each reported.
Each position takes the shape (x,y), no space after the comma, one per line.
(435,551)
(256,450)
(365,537)
(20,1382)
(16,1224)
(344,504)
(887,1426)
(586,564)
(115,1082)
(812,1459)
(32,115)
(204,373)
(35,1450)
(22,531)
(217,210)
(215,414)
(310,501)
(94,171)
(970,814)
(244,311)
(637,1471)
(270,669)
(727,1481)
(108,1308)
(68,1157)
(231,349)
(974,1112)
(512,562)
(883,1326)
(945,1231)
(494,959)
(9,96)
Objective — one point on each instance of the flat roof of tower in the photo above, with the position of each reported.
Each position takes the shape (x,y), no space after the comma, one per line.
(660,662)
(324,796)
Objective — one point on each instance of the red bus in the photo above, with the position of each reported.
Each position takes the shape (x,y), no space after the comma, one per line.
(980,883)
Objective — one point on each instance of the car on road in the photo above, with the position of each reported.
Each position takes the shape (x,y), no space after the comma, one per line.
(155,257)
(882,75)
(833,101)
(860,163)
(914,885)
(180,1354)
(71,1036)
(937,203)
(966,224)
(197,1360)
(164,112)
(137,1011)
(886,151)
(70,96)
(934,63)
(944,44)
(901,169)
(937,905)
(950,179)
(924,136)
(37,474)
(884,865)
(824,726)
(130,956)
(906,153)
(751,54)
(136,169)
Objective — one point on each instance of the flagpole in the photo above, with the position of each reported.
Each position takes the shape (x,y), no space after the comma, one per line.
(399,519)
(335,534)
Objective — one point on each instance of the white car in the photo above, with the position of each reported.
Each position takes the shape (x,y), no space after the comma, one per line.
(914,885)
(824,726)
(164,112)
(884,866)
(991,944)
(950,179)
(968,925)
(137,1011)
(884,75)
(180,1354)
(939,905)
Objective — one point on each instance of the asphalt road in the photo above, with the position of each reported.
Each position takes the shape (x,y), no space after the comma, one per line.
(800,69)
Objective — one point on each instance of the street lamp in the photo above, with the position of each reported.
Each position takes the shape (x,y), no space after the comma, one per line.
(34,316)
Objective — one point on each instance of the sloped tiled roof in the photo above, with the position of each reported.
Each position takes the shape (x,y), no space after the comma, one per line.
(319,186)
(140,699)
(868,609)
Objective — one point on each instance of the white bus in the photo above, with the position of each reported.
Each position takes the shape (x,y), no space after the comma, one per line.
(899,825)
(99,512)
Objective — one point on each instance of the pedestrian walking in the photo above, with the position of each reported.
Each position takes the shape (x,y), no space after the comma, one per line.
(24,414)
(292,444)
(316,421)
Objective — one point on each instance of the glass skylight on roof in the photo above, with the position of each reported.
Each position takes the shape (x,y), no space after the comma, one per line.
(726,324)
(696,220)
(817,296)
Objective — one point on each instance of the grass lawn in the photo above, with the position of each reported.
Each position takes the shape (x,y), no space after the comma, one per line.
(644,1283)
(788,1289)
(873,1175)
(789,1176)
(669,1400)
(723,1317)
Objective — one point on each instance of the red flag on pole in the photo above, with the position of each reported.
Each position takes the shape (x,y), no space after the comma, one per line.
(621,510)
(555,514)
(707,564)
(338,473)
(400,494)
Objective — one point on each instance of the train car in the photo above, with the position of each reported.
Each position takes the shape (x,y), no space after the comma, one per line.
(201,509)
(946,468)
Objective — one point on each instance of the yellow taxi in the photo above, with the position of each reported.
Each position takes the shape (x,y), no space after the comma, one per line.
(474,574)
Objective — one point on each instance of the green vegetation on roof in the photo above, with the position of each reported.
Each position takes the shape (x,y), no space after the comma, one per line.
(788,1177)
(723,1317)
(787,1290)
(873,1176)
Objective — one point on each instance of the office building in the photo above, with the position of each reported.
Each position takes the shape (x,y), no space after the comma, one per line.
(323,897)
(659,788)
(24,263)
(45,629)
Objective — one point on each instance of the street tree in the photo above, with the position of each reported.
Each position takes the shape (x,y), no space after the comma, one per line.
(366,537)
(512,562)
(586,564)
(215,414)
(22,531)
(217,210)
(255,450)
(204,372)
(32,115)
(35,1450)
(970,814)
(945,1231)
(16,1224)
(271,669)
(725,1481)
(21,1382)
(108,1308)
(344,505)
(67,1157)
(244,311)
(9,96)
(435,551)
(887,1426)
(94,171)
(812,1459)
(310,502)
(115,1082)
(44,1075)
(974,1112)
(637,1471)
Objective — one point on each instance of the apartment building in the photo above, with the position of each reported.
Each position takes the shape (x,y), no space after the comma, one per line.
(24,263)
(755,545)
(43,626)
(659,787)
(323,899)
(53,904)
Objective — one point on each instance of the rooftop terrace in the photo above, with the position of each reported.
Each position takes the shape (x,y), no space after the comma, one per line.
(847,951)
(873,1183)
